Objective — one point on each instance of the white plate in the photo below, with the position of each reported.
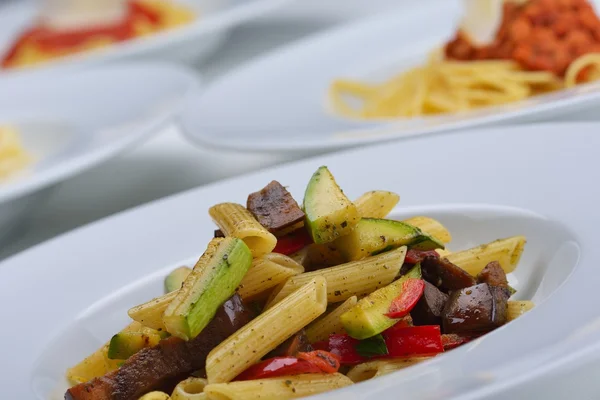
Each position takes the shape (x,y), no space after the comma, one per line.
(279,102)
(187,44)
(70,294)
(75,122)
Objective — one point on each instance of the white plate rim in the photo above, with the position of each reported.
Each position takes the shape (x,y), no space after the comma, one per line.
(355,133)
(81,162)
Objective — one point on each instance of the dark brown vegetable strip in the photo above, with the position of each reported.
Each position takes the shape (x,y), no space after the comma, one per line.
(445,275)
(162,366)
(274,207)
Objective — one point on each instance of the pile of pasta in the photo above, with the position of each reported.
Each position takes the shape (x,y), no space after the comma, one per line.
(307,280)
(540,47)
(40,44)
(13,156)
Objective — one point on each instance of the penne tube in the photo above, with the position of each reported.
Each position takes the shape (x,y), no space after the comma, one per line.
(376,204)
(330,323)
(517,308)
(235,220)
(372,369)
(281,388)
(355,278)
(267,331)
(432,227)
(190,389)
(443,252)
(150,314)
(506,251)
(155,396)
(266,272)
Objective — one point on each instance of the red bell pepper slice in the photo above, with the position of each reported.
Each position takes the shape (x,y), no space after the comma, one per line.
(401,341)
(278,366)
(292,242)
(324,360)
(413,341)
(416,256)
(412,290)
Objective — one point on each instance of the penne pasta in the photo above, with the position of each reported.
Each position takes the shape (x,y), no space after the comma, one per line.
(330,323)
(376,204)
(506,251)
(267,331)
(266,272)
(443,252)
(235,220)
(285,387)
(517,308)
(190,389)
(431,227)
(355,278)
(155,396)
(372,369)
(150,314)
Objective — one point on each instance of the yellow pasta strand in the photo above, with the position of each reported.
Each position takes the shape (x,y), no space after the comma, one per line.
(373,369)
(190,389)
(517,308)
(432,227)
(376,204)
(506,251)
(266,272)
(13,156)
(281,388)
(267,331)
(583,62)
(355,278)
(234,220)
(329,324)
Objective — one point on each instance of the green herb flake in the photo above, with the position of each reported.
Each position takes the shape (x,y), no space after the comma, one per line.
(371,347)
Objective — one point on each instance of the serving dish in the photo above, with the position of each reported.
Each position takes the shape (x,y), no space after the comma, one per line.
(187,44)
(100,270)
(73,123)
(286,108)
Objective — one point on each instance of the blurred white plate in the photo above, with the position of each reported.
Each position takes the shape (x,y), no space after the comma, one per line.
(187,44)
(74,122)
(278,103)
(73,291)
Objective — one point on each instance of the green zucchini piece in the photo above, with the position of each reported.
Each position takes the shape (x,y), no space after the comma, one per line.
(367,318)
(213,280)
(125,344)
(373,236)
(329,213)
(175,279)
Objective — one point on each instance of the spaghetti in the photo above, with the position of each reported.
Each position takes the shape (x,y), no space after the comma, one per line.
(541,46)
(13,156)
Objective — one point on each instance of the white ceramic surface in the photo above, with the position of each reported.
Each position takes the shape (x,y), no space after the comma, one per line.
(279,101)
(72,123)
(542,175)
(188,44)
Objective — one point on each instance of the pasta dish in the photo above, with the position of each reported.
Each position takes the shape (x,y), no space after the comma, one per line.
(13,156)
(539,46)
(42,43)
(291,301)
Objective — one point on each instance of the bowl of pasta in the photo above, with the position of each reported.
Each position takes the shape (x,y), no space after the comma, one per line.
(311,279)
(438,66)
(47,38)
(51,130)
